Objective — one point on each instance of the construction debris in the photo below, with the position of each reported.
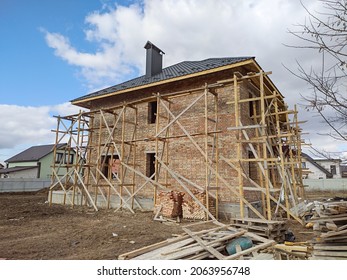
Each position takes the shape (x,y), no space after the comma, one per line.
(203,244)
(291,252)
(330,225)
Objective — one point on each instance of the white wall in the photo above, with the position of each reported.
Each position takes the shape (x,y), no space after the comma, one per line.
(315,173)
(25,163)
(326,164)
(28,173)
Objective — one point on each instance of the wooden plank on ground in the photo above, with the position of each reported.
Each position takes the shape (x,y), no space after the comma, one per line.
(204,255)
(330,218)
(208,248)
(334,239)
(330,247)
(263,256)
(253,220)
(258,238)
(149,248)
(342,228)
(333,233)
(326,258)
(330,253)
(291,248)
(159,253)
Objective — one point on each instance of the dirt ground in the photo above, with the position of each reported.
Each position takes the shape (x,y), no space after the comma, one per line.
(30,229)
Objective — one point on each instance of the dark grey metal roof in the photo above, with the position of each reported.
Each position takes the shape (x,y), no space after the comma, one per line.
(33,153)
(173,71)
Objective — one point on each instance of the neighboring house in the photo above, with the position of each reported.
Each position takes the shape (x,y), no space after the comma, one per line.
(34,162)
(203,127)
(321,168)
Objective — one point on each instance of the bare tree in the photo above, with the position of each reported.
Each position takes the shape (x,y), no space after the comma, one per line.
(325,32)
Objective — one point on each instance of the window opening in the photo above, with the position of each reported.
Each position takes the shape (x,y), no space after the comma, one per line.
(152,111)
(110,166)
(333,169)
(150,164)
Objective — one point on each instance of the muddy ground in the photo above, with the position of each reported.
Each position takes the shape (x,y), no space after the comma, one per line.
(30,229)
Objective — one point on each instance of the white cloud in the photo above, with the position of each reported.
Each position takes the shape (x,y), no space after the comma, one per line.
(64,109)
(185,30)
(192,30)
(25,126)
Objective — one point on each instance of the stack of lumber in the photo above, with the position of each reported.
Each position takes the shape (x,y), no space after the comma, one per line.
(192,210)
(270,229)
(330,226)
(208,243)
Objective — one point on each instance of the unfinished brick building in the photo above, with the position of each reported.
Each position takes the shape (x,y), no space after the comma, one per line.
(216,132)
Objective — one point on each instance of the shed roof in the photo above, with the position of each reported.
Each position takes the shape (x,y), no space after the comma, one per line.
(174,71)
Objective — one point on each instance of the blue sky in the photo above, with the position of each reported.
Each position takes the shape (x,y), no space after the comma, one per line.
(30,73)
(54,51)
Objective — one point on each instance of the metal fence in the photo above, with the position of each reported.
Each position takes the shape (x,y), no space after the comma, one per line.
(30,185)
(23,184)
(338,185)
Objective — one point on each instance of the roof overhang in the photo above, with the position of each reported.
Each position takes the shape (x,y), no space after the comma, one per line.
(86,102)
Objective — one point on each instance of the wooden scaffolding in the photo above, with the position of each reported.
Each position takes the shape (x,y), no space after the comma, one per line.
(267,149)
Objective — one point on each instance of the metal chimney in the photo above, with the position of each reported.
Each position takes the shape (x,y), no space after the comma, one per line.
(154,59)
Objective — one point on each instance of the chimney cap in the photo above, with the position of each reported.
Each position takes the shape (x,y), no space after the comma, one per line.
(150,45)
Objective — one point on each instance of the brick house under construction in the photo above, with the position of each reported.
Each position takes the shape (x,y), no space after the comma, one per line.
(215,133)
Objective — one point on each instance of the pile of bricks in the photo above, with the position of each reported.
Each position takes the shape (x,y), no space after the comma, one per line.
(178,204)
(171,203)
(192,210)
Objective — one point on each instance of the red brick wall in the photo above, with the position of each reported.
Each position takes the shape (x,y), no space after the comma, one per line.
(184,157)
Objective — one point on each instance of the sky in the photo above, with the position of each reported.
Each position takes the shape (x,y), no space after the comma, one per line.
(54,51)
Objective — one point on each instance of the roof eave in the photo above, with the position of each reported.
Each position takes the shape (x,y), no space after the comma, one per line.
(86,102)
